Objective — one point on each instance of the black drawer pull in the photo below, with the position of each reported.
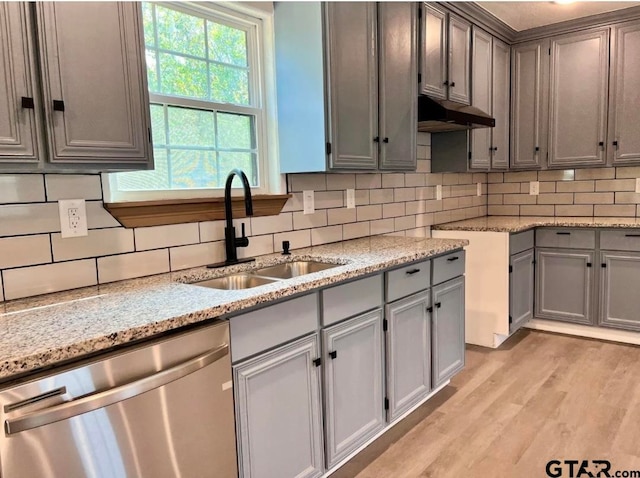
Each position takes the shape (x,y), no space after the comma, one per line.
(385,140)
(537,148)
(317,362)
(333,354)
(376,139)
(563,233)
(451,259)
(453,83)
(446,83)
(615,143)
(438,305)
(632,235)
(413,271)
(58,105)
(601,144)
(589,264)
(27,103)
(430,310)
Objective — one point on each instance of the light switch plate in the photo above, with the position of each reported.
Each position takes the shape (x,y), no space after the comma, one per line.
(351,198)
(308,202)
(439,192)
(479,189)
(73,218)
(534,188)
(638,185)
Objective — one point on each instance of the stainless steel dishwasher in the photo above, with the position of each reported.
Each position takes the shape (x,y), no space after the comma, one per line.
(164,409)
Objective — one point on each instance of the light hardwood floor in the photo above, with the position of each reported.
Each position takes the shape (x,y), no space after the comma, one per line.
(539,397)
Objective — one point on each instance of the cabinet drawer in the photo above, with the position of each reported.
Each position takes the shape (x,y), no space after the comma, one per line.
(408,280)
(447,267)
(351,299)
(566,238)
(624,240)
(262,329)
(520,242)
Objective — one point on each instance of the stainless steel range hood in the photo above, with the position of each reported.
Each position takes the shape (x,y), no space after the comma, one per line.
(439,116)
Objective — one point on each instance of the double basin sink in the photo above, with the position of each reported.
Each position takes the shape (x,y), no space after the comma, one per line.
(266,275)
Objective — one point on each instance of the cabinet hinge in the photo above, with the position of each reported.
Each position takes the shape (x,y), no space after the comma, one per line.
(510,269)
(328,148)
(510,319)
(604,264)
(386,403)
(385,325)
(317,362)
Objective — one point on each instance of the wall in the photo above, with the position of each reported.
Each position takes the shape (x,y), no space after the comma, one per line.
(581,192)
(34,259)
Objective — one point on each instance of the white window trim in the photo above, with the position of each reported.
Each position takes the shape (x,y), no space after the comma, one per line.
(244,14)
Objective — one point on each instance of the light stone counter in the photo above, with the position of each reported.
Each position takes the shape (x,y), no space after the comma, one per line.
(43,331)
(523,223)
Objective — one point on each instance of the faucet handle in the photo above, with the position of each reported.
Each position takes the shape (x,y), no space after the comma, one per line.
(243,232)
(285,248)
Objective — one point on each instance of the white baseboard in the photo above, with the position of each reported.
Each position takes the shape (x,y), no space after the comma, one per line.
(601,333)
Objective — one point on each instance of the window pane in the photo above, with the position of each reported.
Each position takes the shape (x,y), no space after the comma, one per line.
(191,127)
(152,71)
(193,169)
(235,131)
(229,85)
(183,76)
(147,180)
(227,44)
(180,32)
(244,161)
(157,125)
(147,19)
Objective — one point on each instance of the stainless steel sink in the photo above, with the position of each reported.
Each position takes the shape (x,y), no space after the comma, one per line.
(294,269)
(236,282)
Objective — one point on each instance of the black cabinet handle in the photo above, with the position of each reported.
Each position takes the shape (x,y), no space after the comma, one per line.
(601,144)
(563,233)
(589,264)
(58,105)
(27,103)
(386,140)
(413,271)
(632,235)
(495,148)
(451,259)
(537,148)
(453,83)
(438,305)
(317,362)
(333,354)
(376,139)
(430,310)
(446,83)
(615,143)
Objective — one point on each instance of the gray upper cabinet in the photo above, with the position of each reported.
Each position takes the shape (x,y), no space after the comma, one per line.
(578,98)
(448,344)
(354,410)
(564,282)
(459,70)
(624,113)
(500,104)
(278,412)
(619,298)
(18,99)
(433,52)
(397,30)
(481,96)
(529,101)
(408,353)
(521,288)
(353,84)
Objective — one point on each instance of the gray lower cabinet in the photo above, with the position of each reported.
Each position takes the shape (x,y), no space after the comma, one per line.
(408,341)
(353,373)
(447,342)
(619,298)
(278,412)
(564,283)
(521,287)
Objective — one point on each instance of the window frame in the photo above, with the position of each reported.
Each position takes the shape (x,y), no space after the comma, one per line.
(260,50)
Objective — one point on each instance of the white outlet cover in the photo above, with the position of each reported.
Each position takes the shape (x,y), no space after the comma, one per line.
(73,218)
(638,185)
(439,192)
(351,198)
(308,202)
(534,188)
(479,189)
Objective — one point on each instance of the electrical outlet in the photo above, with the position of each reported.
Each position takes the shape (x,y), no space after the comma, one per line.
(308,202)
(439,192)
(351,198)
(73,217)
(638,185)
(534,188)
(479,189)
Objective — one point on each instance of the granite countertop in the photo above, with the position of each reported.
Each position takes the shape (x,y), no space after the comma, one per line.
(41,331)
(524,223)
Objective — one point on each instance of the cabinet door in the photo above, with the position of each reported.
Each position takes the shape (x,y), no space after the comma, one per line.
(278,412)
(500,104)
(354,411)
(408,353)
(624,114)
(481,83)
(448,330)
(578,102)
(94,82)
(521,287)
(529,100)
(619,298)
(564,281)
(352,84)
(397,29)
(433,52)
(18,132)
(459,76)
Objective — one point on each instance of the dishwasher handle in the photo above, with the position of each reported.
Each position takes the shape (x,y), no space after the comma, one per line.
(105,398)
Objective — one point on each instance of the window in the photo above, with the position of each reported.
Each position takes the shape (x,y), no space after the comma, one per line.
(205,76)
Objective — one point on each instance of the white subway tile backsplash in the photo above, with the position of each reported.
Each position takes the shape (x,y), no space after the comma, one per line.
(214,230)
(324,235)
(196,255)
(380,196)
(405,222)
(98,216)
(73,186)
(338,181)
(294,203)
(393,180)
(362,197)
(29,281)
(270,224)
(305,182)
(136,264)
(382,226)
(297,239)
(20,219)
(368,181)
(99,242)
(369,213)
(329,199)
(308,221)
(355,230)
(24,251)
(341,216)
(393,210)
(172,235)
(20,188)
(258,245)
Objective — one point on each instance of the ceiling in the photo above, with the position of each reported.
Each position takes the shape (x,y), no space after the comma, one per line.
(524,15)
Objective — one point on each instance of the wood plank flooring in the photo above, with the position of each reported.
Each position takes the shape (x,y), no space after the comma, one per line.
(539,397)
